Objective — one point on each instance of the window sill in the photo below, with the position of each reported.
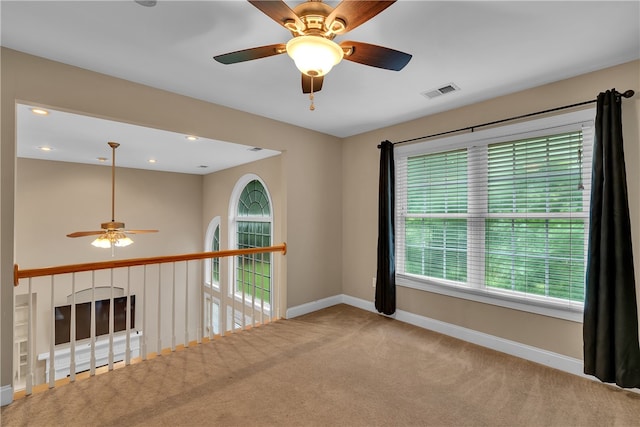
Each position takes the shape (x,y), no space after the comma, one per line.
(569,312)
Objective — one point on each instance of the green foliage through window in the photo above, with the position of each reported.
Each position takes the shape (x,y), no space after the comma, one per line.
(510,216)
(253,230)
(436,248)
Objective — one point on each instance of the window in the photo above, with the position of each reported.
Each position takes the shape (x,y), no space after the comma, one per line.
(211,309)
(253,228)
(212,244)
(500,216)
(215,262)
(211,315)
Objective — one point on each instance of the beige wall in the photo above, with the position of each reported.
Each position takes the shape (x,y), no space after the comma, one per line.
(56,198)
(310,165)
(360,158)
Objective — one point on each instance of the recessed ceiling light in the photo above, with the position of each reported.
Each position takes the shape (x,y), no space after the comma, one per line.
(203,166)
(102,159)
(45,148)
(152,160)
(40,111)
(191,137)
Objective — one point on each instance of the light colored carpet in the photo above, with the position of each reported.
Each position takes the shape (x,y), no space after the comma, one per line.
(339,366)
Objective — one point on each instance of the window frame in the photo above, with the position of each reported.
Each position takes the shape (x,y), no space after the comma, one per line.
(233,240)
(472,289)
(208,247)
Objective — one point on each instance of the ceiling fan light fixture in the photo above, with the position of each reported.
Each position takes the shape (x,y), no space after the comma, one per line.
(102,242)
(314,55)
(123,241)
(112,238)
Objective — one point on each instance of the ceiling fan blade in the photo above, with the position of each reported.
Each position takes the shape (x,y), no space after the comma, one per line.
(85,233)
(306,83)
(139,231)
(251,54)
(356,13)
(376,56)
(278,11)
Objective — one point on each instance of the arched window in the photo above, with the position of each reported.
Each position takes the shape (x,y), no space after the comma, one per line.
(251,227)
(212,243)
(212,279)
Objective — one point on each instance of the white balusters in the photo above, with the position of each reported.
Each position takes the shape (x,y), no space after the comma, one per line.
(143,347)
(52,338)
(30,346)
(159,328)
(72,331)
(92,362)
(186,304)
(173,307)
(111,321)
(86,351)
(127,319)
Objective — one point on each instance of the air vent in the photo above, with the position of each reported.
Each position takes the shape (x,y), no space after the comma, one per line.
(443,90)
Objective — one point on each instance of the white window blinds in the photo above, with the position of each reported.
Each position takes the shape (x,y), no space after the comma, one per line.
(502,214)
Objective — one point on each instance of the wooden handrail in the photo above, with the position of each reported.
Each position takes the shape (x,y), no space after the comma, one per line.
(104,265)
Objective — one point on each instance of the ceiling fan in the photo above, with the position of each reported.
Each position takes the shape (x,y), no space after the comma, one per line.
(112,233)
(313,26)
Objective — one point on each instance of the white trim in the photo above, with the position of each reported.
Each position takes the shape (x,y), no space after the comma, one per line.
(523,351)
(6,395)
(238,188)
(312,306)
(363,304)
(211,229)
(208,247)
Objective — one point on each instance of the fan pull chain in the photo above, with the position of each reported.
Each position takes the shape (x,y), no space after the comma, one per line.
(311,107)
(580,183)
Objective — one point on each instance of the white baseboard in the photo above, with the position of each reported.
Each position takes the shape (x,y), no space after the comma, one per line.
(513,348)
(312,306)
(534,354)
(6,395)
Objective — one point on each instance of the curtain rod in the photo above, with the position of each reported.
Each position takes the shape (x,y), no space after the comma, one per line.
(626,94)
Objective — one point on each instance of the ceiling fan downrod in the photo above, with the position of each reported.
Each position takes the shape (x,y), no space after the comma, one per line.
(113,146)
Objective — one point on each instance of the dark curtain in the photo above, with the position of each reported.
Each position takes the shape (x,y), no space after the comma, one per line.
(386,272)
(611,350)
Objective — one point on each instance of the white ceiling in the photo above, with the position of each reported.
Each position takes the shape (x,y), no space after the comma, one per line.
(82,139)
(488,49)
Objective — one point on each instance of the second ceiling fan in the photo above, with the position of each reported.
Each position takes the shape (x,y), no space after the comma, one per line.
(313,25)
(112,233)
